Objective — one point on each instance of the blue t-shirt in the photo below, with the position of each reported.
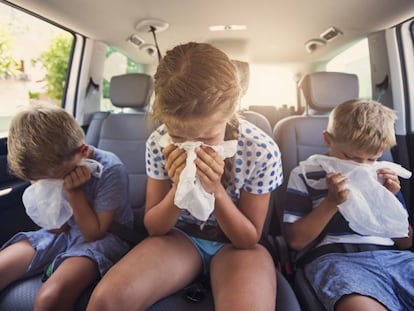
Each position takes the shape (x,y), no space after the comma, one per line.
(111,190)
(257,164)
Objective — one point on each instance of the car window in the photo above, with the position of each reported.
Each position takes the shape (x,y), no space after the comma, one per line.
(116,63)
(355,60)
(270,85)
(34,58)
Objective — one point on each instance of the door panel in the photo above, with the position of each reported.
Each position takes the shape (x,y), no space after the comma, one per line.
(12,213)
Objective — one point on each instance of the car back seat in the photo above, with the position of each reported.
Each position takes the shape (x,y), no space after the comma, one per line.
(299,137)
(116,135)
(125,134)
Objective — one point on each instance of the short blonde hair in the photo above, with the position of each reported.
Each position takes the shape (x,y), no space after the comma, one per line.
(42,138)
(364,124)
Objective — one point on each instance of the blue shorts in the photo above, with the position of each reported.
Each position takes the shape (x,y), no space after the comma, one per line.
(54,248)
(207,249)
(384,275)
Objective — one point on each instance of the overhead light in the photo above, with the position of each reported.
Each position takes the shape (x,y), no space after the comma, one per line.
(146,25)
(135,40)
(330,34)
(149,49)
(314,44)
(227,27)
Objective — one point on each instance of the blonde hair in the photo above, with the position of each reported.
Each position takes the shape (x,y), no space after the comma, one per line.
(41,139)
(364,124)
(197,80)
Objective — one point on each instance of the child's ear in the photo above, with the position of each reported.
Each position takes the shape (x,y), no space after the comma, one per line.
(326,138)
(84,150)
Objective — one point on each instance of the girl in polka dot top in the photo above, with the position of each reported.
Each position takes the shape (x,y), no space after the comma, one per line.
(197,93)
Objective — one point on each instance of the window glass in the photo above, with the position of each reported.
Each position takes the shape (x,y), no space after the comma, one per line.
(116,63)
(34,58)
(355,60)
(270,85)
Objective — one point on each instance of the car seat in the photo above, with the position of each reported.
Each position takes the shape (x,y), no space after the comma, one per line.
(125,134)
(299,137)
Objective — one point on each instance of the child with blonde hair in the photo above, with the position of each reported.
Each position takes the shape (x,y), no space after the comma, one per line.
(210,175)
(347,210)
(45,143)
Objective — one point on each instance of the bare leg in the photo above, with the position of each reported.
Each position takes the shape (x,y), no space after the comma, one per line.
(66,284)
(243,279)
(155,268)
(358,302)
(14,261)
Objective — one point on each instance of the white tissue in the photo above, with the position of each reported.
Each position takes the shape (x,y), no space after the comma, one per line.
(44,200)
(45,204)
(94,166)
(190,194)
(370,209)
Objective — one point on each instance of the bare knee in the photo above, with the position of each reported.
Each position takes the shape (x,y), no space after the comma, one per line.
(50,297)
(247,286)
(106,297)
(102,299)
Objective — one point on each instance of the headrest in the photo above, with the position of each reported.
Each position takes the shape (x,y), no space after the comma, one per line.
(325,90)
(243,71)
(131,90)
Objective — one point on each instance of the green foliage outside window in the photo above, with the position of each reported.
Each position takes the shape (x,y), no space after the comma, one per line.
(55,59)
(8,65)
(131,67)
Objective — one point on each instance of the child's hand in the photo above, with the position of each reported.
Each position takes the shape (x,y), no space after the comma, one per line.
(210,168)
(76,178)
(336,182)
(175,161)
(391,180)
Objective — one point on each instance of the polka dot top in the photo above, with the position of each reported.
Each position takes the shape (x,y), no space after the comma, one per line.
(257,164)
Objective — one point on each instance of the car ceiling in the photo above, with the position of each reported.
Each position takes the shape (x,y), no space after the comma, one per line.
(276,30)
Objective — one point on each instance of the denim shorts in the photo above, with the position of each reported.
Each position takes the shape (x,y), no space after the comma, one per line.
(52,249)
(384,275)
(207,249)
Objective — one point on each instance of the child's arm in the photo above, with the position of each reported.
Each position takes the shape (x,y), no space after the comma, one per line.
(405,243)
(242,224)
(160,212)
(92,225)
(305,230)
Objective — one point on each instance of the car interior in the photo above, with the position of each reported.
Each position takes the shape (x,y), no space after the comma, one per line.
(296,61)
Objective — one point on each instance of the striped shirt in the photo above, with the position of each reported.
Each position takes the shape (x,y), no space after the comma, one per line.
(301,199)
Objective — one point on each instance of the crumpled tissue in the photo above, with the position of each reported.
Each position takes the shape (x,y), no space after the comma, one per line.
(190,194)
(44,200)
(370,209)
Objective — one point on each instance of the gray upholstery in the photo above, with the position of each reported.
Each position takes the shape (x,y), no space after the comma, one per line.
(324,90)
(270,112)
(257,119)
(125,133)
(132,90)
(299,137)
(94,128)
